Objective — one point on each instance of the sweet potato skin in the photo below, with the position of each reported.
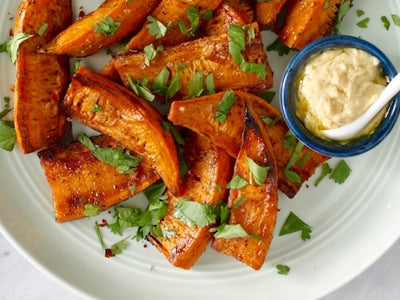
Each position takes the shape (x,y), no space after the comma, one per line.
(207,55)
(307,20)
(224,15)
(41,80)
(77,178)
(130,120)
(169,12)
(209,165)
(80,39)
(257,215)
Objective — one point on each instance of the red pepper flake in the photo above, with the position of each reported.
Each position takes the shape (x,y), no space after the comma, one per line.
(103,223)
(81,13)
(108,253)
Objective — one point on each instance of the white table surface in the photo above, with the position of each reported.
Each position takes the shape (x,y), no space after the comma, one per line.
(20,280)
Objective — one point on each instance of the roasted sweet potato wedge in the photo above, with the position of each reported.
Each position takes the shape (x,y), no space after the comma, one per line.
(111,22)
(224,15)
(268,11)
(77,178)
(207,55)
(257,214)
(245,8)
(209,166)
(41,80)
(169,13)
(308,20)
(198,115)
(284,143)
(130,120)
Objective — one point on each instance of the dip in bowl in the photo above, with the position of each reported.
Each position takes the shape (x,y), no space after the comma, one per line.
(331,82)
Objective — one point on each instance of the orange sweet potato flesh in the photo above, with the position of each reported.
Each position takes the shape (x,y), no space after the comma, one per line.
(257,215)
(80,39)
(209,165)
(130,120)
(268,11)
(244,8)
(41,80)
(308,20)
(224,15)
(77,178)
(207,55)
(169,12)
(198,115)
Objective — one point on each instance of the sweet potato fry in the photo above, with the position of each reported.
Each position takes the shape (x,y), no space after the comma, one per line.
(307,162)
(198,115)
(169,12)
(268,11)
(224,15)
(245,8)
(110,22)
(130,120)
(257,215)
(77,178)
(209,166)
(308,20)
(41,80)
(207,55)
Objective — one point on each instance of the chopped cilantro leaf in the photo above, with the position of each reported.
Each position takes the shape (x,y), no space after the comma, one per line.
(139,86)
(268,121)
(193,15)
(96,108)
(210,84)
(237,182)
(150,52)
(7,136)
(326,5)
(119,246)
(91,210)
(267,95)
(344,7)
(208,15)
(341,172)
(363,23)
(396,19)
(282,269)
(294,224)
(175,84)
(224,106)
(259,173)
(12,44)
(229,231)
(99,236)
(360,12)
(170,127)
(107,26)
(291,175)
(326,170)
(194,213)
(385,22)
(123,161)
(42,29)
(195,85)
(279,47)
(156,28)
(160,82)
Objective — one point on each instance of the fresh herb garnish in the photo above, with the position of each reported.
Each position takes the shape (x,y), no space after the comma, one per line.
(385,22)
(170,127)
(326,5)
(42,29)
(363,23)
(99,235)
(396,19)
(156,28)
(282,269)
(270,122)
(194,213)
(294,224)
(237,43)
(341,172)
(267,95)
(259,173)
(7,132)
(360,12)
(11,45)
(150,52)
(123,161)
(96,108)
(193,15)
(224,106)
(279,47)
(195,85)
(91,210)
(139,87)
(326,170)
(229,231)
(237,182)
(107,26)
(344,7)
(175,84)
(160,82)
(118,247)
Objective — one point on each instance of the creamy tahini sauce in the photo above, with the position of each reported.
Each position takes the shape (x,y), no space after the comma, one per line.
(336,87)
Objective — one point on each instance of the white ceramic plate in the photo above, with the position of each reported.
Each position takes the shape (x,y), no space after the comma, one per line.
(353,223)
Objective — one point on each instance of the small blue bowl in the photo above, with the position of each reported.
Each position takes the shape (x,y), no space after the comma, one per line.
(288,99)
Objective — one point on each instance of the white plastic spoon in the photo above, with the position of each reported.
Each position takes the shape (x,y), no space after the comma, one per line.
(350,130)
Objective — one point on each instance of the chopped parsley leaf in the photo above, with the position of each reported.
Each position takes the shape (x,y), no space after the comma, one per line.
(294,224)
(123,161)
(341,172)
(107,26)
(156,28)
(194,213)
(12,44)
(224,106)
(282,269)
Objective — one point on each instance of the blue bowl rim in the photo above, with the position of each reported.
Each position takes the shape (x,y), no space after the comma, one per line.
(288,109)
